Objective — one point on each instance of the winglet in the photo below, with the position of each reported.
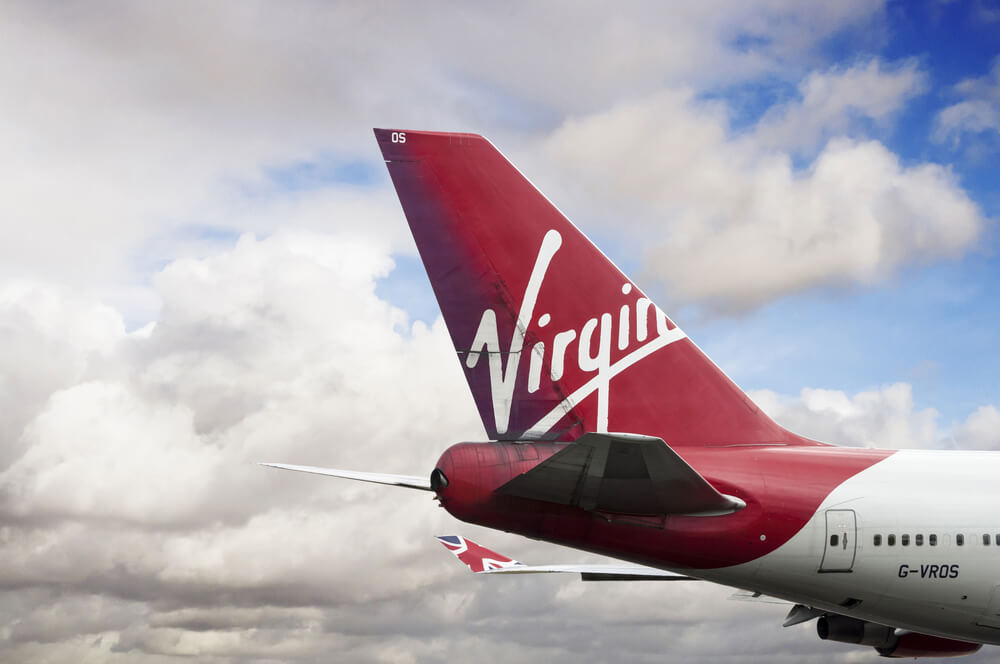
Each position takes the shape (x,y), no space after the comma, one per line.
(477,558)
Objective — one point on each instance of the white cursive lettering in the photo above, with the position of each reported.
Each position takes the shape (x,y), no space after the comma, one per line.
(592,356)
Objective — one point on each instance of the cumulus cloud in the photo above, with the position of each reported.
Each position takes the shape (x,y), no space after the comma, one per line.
(137,526)
(206,110)
(152,120)
(177,303)
(831,101)
(225,359)
(134,479)
(977,112)
(83,462)
(979,431)
(50,340)
(733,224)
(885,417)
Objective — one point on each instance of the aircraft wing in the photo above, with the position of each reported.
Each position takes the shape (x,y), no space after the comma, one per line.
(408,481)
(621,473)
(481,560)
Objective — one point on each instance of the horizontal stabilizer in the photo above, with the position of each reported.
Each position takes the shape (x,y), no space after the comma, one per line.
(621,474)
(481,560)
(408,481)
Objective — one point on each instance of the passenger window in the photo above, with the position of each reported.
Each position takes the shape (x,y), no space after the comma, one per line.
(834,539)
(918,540)
(878,540)
(986,540)
(997,537)
(904,540)
(892,540)
(932,540)
(960,539)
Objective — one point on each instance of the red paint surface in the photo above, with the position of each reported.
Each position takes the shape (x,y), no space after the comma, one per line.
(782,487)
(478,224)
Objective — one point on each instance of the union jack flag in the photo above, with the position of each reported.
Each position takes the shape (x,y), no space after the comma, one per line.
(477,558)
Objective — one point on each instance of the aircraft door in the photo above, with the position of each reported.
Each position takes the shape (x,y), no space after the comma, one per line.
(840,544)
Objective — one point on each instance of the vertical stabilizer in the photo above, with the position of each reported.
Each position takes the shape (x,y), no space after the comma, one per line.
(554,340)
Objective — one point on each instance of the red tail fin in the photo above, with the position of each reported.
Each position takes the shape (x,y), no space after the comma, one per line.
(555,341)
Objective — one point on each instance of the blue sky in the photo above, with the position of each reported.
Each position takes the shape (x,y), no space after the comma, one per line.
(954,41)
(932,325)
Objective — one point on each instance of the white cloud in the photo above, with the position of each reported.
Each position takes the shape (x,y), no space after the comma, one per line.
(130,124)
(732,224)
(884,417)
(99,452)
(155,127)
(51,338)
(977,112)
(136,525)
(831,101)
(134,478)
(980,431)
(248,341)
(971,116)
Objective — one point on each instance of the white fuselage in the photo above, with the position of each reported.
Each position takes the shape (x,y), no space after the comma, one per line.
(950,588)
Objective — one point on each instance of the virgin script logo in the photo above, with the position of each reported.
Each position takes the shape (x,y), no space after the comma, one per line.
(505,365)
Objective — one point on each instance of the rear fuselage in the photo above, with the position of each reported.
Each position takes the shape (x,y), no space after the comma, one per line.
(886,536)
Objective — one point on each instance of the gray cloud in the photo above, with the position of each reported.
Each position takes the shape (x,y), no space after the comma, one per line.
(137,529)
(135,525)
(152,118)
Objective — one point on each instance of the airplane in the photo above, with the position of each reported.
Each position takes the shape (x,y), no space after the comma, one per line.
(610,431)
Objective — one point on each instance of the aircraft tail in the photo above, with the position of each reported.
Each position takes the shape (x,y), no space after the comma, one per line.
(554,340)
